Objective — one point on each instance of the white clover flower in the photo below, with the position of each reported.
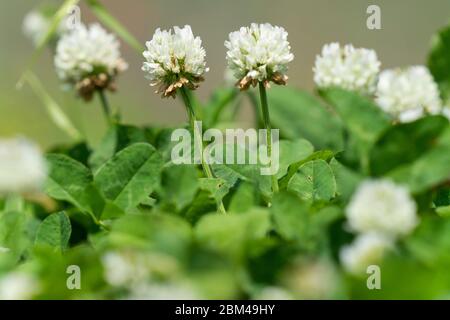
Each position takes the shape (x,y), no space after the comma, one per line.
(382,206)
(89,58)
(37,23)
(350,68)
(22,167)
(259,53)
(367,249)
(174,59)
(18,286)
(162,291)
(408,94)
(273,293)
(122,269)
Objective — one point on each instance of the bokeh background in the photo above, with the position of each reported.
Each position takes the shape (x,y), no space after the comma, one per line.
(407,28)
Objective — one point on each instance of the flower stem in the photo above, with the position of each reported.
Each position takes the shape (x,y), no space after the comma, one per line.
(106,107)
(197,137)
(268,126)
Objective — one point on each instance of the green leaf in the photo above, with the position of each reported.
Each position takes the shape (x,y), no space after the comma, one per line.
(157,232)
(325,155)
(300,115)
(13,233)
(244,198)
(179,186)
(439,60)
(232,173)
(108,20)
(314,181)
(405,143)
(292,152)
(54,110)
(429,170)
(116,139)
(232,235)
(347,180)
(291,217)
(68,180)
(216,187)
(130,176)
(54,231)
(361,117)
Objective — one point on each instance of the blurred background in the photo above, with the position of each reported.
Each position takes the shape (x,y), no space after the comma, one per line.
(407,28)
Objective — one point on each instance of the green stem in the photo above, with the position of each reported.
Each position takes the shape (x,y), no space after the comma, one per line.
(198,137)
(268,126)
(106,107)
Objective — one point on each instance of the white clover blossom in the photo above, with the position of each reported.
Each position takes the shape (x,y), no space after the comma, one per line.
(36,24)
(89,58)
(259,53)
(174,59)
(350,68)
(124,269)
(18,286)
(163,291)
(382,206)
(22,166)
(408,94)
(367,249)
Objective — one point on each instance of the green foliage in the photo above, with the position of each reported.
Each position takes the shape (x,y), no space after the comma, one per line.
(439,60)
(54,231)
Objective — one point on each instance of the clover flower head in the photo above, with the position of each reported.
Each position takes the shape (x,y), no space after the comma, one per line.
(37,23)
(259,53)
(383,207)
(22,167)
(174,59)
(367,249)
(18,286)
(89,58)
(408,94)
(350,68)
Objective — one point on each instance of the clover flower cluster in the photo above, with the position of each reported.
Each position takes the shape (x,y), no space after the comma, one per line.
(350,68)
(22,166)
(89,58)
(381,211)
(408,94)
(36,24)
(259,53)
(174,59)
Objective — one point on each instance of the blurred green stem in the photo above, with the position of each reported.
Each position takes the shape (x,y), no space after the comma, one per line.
(106,107)
(198,137)
(268,126)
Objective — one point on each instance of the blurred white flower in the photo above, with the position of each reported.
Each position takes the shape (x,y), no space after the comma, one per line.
(22,166)
(162,291)
(350,68)
(89,58)
(273,293)
(408,94)
(311,279)
(4,250)
(367,249)
(258,53)
(382,206)
(122,269)
(18,286)
(35,25)
(174,59)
